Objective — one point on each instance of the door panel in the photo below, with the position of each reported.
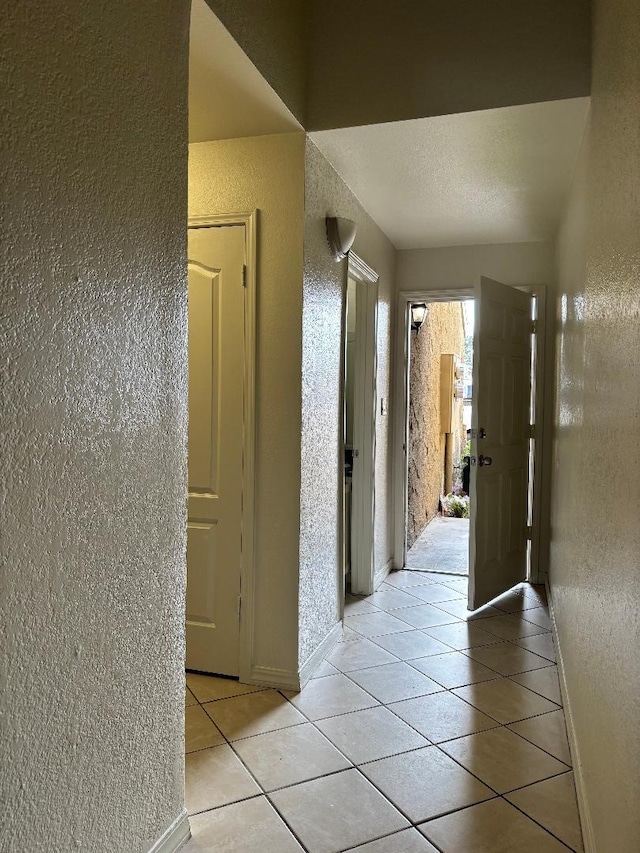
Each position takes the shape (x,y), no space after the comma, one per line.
(501,412)
(216,390)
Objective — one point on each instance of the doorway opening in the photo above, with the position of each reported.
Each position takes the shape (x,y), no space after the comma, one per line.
(360,328)
(506,437)
(440,361)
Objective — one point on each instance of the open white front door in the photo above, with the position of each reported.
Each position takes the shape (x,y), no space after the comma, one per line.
(216,382)
(500,441)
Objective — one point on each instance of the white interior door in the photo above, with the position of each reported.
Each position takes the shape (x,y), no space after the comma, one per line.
(216,257)
(500,441)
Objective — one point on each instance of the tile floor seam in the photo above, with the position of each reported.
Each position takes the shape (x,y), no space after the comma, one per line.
(460,737)
(257,734)
(224,805)
(379,838)
(545,828)
(510,722)
(515,643)
(537,692)
(513,805)
(484,782)
(568,766)
(286,823)
(432,742)
(369,782)
(386,796)
(511,674)
(453,758)
(537,782)
(312,778)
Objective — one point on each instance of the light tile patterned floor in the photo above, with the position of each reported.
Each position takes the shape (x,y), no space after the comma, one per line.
(426,729)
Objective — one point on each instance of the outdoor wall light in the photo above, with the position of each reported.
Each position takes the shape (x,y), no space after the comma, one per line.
(418,315)
(340,233)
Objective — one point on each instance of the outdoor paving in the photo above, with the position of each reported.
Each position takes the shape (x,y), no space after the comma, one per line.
(443,546)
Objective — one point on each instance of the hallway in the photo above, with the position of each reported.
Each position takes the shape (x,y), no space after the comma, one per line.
(424,730)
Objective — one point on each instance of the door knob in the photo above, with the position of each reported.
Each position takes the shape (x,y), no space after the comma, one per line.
(484,460)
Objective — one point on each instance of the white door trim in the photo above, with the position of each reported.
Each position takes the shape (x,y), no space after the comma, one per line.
(364,428)
(247,565)
(400,415)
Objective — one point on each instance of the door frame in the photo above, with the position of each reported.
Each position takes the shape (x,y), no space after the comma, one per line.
(401,415)
(364,426)
(247,554)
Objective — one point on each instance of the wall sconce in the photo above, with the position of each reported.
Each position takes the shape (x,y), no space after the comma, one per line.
(340,233)
(418,315)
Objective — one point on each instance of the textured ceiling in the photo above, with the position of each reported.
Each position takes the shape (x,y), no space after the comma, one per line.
(494,176)
(228,97)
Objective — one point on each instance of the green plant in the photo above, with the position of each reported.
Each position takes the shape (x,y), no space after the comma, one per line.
(456,506)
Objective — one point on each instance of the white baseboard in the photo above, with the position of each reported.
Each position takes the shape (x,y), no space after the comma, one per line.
(382,573)
(175,837)
(315,658)
(279,679)
(583,806)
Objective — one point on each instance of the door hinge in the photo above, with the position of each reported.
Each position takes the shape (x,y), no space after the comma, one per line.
(534,326)
(244,275)
(529,532)
(532,431)
(239,605)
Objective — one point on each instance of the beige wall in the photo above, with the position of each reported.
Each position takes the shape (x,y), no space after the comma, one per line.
(324,285)
(330,63)
(462,266)
(267,173)
(442,332)
(93,402)
(273,34)
(595,551)
(422,59)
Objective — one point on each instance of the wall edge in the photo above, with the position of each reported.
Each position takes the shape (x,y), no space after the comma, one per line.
(321,651)
(586,826)
(278,679)
(174,837)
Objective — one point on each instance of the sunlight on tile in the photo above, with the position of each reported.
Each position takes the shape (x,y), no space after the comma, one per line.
(410,737)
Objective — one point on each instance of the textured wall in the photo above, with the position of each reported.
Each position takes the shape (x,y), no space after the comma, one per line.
(324,283)
(443,57)
(273,34)
(595,554)
(267,173)
(93,402)
(442,331)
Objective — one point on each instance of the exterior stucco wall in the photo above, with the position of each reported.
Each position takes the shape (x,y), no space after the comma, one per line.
(442,332)
(595,550)
(93,425)
(324,287)
(267,173)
